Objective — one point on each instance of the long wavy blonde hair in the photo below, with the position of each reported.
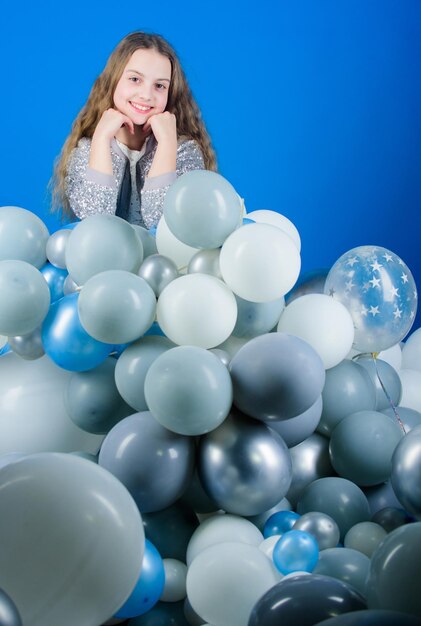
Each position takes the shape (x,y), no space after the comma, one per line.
(180,102)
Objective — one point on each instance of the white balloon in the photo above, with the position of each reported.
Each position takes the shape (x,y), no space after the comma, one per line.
(268,545)
(411,389)
(411,352)
(263,216)
(168,245)
(323,322)
(175,581)
(259,262)
(238,573)
(197,310)
(33,417)
(393,356)
(221,528)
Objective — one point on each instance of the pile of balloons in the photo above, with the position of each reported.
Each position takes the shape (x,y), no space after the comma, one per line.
(191,432)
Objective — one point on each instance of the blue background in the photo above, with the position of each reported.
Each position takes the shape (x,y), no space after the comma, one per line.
(313,105)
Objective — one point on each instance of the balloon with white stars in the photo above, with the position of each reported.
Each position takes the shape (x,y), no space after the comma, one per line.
(379,291)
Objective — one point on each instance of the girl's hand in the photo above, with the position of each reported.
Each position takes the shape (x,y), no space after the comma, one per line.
(164,127)
(110,123)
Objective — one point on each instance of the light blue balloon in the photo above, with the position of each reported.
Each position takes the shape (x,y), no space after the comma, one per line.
(346,564)
(295,551)
(23,236)
(148,588)
(55,278)
(386,381)
(257,318)
(379,291)
(279,523)
(65,340)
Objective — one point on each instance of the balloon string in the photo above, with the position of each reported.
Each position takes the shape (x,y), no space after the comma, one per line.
(374,355)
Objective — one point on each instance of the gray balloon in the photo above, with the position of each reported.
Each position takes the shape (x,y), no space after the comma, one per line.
(205,262)
(133,365)
(158,271)
(322,527)
(92,399)
(338,497)
(69,286)
(153,463)
(408,417)
(390,518)
(244,466)
(366,460)
(310,282)
(393,582)
(147,239)
(257,318)
(170,530)
(348,389)
(28,346)
(381,496)
(310,461)
(297,429)
(56,247)
(260,520)
(406,472)
(305,600)
(346,564)
(276,376)
(23,236)
(372,618)
(9,615)
(222,355)
(385,379)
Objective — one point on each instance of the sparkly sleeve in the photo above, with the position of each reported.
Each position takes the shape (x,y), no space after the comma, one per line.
(88,190)
(189,157)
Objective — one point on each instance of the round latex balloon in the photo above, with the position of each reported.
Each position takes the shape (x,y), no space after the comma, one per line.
(171,247)
(411,389)
(55,278)
(391,517)
(175,581)
(205,262)
(280,522)
(66,341)
(348,389)
(408,417)
(261,519)
(116,306)
(365,537)
(9,615)
(350,566)
(92,542)
(25,298)
(257,318)
(154,463)
(393,356)
(406,472)
(411,351)
(171,529)
(56,248)
(158,271)
(92,399)
(28,346)
(237,572)
(133,365)
(322,527)
(220,529)
(244,466)
(393,580)
(339,498)
(322,322)
(372,618)
(386,381)
(99,243)
(69,286)
(381,496)
(295,551)
(202,208)
(309,282)
(305,600)
(23,236)
(297,429)
(310,461)
(188,390)
(149,586)
(276,376)
(198,310)
(259,262)
(361,447)
(33,417)
(147,239)
(379,291)
(263,216)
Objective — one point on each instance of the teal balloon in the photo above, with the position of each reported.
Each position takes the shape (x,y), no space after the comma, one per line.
(346,564)
(362,445)
(170,529)
(379,291)
(23,236)
(406,472)
(25,298)
(66,341)
(257,318)
(386,382)
(202,208)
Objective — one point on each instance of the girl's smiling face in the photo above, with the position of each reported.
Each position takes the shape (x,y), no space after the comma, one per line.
(142,90)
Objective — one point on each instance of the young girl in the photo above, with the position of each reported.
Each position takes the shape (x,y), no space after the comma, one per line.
(139,129)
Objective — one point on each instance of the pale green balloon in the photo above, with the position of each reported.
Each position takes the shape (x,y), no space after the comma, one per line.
(23,236)
(365,537)
(346,564)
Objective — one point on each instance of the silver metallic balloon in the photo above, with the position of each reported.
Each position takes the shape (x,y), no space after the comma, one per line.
(244,466)
(158,271)
(56,247)
(350,566)
(310,461)
(322,527)
(406,472)
(28,346)
(206,262)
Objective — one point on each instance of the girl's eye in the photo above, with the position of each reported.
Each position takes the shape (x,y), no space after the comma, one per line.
(133,78)
(160,86)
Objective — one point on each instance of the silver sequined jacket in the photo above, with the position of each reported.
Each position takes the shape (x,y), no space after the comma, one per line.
(90,191)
